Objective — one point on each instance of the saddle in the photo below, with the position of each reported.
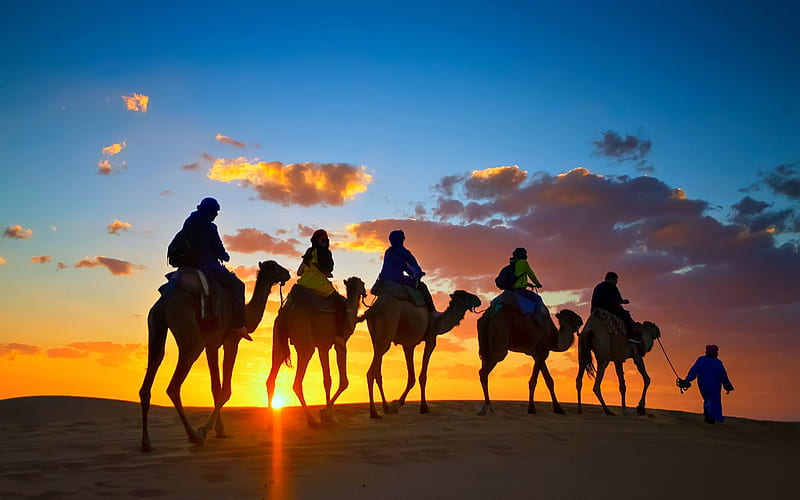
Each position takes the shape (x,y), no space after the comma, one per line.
(306,298)
(194,282)
(399,291)
(510,300)
(613,324)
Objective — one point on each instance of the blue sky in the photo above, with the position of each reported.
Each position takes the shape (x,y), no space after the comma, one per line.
(413,92)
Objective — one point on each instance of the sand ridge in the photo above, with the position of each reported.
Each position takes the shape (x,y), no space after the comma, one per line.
(65,447)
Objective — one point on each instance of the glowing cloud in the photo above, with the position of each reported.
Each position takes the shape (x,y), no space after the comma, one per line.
(224,139)
(2,260)
(114,149)
(118,226)
(17,232)
(10,351)
(41,259)
(115,266)
(104,167)
(303,184)
(251,240)
(136,102)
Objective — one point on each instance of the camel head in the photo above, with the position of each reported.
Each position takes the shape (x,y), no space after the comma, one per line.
(569,320)
(273,272)
(650,332)
(355,287)
(466,300)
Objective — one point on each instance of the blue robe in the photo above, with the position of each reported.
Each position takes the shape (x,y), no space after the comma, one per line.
(711,378)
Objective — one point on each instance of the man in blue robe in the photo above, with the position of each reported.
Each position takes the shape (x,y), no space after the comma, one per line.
(711,379)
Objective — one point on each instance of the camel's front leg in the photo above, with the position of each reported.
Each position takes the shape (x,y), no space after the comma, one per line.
(620,369)
(277,361)
(303,358)
(325,364)
(430,345)
(373,376)
(188,352)
(157,338)
(579,386)
(341,364)
(408,351)
(551,386)
(639,362)
(212,358)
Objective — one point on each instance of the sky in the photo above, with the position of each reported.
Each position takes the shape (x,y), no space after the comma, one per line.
(659,140)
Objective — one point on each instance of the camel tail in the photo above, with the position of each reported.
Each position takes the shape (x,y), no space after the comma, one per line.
(585,352)
(280,342)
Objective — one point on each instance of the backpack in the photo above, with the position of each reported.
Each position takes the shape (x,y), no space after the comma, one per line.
(506,278)
(179,252)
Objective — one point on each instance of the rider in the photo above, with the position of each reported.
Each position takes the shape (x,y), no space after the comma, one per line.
(400,266)
(315,271)
(607,296)
(203,237)
(523,271)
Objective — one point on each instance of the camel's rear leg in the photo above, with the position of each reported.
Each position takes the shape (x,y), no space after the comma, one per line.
(277,361)
(551,386)
(341,364)
(303,359)
(156,342)
(187,355)
(601,368)
(483,374)
(620,369)
(579,386)
(408,351)
(374,378)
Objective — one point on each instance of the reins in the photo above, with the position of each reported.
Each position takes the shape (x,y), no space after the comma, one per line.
(678,377)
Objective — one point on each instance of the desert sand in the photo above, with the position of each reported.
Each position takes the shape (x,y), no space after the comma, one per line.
(82,448)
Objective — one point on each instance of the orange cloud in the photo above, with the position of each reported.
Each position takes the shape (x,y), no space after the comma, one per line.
(114,149)
(10,351)
(104,167)
(118,226)
(224,139)
(116,266)
(2,260)
(303,184)
(61,265)
(251,240)
(42,259)
(17,232)
(136,102)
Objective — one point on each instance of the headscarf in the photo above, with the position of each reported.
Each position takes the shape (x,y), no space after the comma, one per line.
(712,350)
(396,238)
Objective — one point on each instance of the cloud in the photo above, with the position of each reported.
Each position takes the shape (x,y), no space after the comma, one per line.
(136,102)
(251,240)
(41,259)
(60,266)
(304,184)
(224,139)
(629,149)
(66,352)
(114,149)
(782,180)
(194,166)
(104,167)
(10,351)
(118,226)
(207,157)
(754,215)
(17,232)
(2,260)
(110,354)
(116,266)
(166,192)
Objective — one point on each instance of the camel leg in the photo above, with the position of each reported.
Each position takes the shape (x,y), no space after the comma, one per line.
(277,361)
(601,368)
(341,364)
(483,374)
(325,364)
(212,358)
(619,367)
(373,376)
(157,339)
(579,386)
(430,345)
(187,355)
(532,386)
(303,358)
(639,362)
(551,386)
(230,350)
(408,350)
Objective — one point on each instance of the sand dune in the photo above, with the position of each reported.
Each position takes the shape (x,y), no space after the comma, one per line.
(79,448)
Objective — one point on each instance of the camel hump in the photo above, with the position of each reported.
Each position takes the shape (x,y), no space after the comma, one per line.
(400,292)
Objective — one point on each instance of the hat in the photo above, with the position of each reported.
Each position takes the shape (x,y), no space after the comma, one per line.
(208,205)
(712,350)
(318,235)
(519,253)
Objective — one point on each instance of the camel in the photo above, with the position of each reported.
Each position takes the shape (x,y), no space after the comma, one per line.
(402,322)
(178,311)
(596,339)
(309,330)
(508,330)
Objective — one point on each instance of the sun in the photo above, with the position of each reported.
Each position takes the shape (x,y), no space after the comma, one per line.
(278,402)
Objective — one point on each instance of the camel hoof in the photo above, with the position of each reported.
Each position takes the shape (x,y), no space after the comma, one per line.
(374,415)
(610,413)
(313,423)
(532,410)
(146,445)
(423,409)
(199,436)
(393,408)
(485,410)
(327,416)
(580,411)
(559,410)
(641,410)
